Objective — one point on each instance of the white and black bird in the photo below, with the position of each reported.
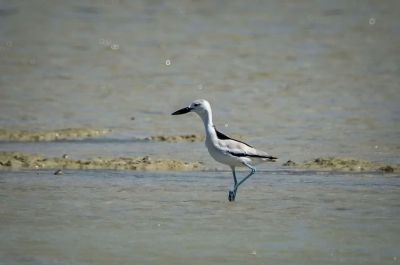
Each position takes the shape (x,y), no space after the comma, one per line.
(224,149)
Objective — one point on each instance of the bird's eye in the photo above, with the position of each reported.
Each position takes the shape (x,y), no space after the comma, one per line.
(196,104)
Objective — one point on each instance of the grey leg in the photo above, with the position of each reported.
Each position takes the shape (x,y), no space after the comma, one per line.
(253,170)
(234,175)
(232,193)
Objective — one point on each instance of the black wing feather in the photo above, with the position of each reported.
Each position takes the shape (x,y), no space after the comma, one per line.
(222,136)
(248,155)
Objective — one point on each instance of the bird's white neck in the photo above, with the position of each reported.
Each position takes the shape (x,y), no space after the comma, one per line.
(209,125)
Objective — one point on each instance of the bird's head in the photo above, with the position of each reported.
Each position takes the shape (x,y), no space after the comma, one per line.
(200,106)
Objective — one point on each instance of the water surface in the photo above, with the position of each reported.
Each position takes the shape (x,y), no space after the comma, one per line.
(299,79)
(107,217)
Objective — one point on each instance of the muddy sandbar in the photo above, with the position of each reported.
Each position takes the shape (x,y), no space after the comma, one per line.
(51,135)
(346,164)
(181,138)
(176,138)
(19,160)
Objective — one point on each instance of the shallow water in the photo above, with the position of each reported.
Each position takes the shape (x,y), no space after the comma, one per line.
(107,217)
(299,79)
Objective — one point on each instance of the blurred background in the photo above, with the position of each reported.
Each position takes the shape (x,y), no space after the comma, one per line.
(296,78)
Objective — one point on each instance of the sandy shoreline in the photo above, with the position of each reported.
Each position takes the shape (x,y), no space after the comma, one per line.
(51,135)
(182,138)
(343,164)
(20,160)
(23,160)
(176,138)
(26,160)
(15,135)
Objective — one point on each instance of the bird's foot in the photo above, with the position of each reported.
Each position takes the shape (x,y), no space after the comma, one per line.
(231,196)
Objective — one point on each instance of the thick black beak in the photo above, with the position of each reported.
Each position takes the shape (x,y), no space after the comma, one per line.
(182,111)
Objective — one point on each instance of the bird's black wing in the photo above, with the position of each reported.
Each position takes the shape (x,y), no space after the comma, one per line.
(238,154)
(222,136)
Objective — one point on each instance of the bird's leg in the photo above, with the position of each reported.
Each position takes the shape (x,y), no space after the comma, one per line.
(253,170)
(234,175)
(232,193)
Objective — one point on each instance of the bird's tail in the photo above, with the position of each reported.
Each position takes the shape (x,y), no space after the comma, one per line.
(269,158)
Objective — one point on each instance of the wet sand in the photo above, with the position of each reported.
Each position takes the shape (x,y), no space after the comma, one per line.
(176,138)
(345,164)
(18,160)
(183,138)
(10,135)
(51,135)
